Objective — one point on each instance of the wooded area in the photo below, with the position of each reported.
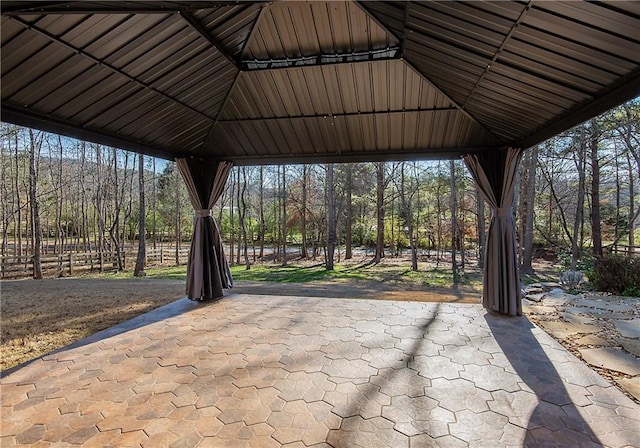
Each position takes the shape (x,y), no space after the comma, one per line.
(577,194)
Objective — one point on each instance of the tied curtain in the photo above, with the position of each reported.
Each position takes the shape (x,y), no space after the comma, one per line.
(495,175)
(207,269)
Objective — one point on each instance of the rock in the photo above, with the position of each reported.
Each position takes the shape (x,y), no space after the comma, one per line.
(603,303)
(557,298)
(562,330)
(576,319)
(535,297)
(593,340)
(540,309)
(631,385)
(612,359)
(533,289)
(630,345)
(550,284)
(628,328)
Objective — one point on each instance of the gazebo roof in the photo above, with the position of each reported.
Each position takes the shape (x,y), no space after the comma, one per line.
(276,82)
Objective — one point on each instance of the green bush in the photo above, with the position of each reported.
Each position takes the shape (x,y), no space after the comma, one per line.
(617,274)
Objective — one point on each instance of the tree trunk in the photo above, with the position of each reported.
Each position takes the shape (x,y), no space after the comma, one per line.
(18,202)
(348,252)
(596,229)
(243,214)
(454,220)
(303,213)
(261,213)
(238,194)
(380,212)
(527,255)
(408,215)
(580,165)
(142,223)
(154,207)
(34,152)
(232,231)
(482,236)
(632,211)
(176,180)
(4,194)
(284,216)
(60,197)
(331,218)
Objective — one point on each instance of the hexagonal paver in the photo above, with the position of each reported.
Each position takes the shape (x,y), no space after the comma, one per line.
(459,394)
(309,387)
(360,433)
(356,371)
(400,381)
(344,350)
(308,423)
(436,367)
(349,399)
(418,415)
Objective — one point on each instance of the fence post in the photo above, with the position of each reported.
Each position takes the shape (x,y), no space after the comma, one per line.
(161,256)
(70,263)
(124,259)
(101,261)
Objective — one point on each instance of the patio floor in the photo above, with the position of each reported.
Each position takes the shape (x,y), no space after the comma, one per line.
(270,371)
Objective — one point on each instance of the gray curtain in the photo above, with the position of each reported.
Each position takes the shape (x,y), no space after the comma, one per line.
(495,175)
(207,270)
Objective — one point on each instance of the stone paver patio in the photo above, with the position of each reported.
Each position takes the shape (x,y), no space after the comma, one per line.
(270,371)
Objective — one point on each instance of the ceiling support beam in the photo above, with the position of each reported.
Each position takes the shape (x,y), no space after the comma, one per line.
(498,51)
(353,157)
(626,89)
(74,7)
(348,114)
(104,64)
(197,26)
(15,115)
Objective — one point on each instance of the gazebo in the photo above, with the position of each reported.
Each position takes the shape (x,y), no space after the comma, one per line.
(217,83)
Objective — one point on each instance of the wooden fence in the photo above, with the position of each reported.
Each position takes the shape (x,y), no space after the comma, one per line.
(74,263)
(623,249)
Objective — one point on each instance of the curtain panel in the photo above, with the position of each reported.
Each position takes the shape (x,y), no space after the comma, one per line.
(208,271)
(495,177)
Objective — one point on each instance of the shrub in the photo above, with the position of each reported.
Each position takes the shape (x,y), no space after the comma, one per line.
(617,274)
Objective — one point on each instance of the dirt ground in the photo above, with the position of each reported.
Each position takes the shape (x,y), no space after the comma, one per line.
(38,316)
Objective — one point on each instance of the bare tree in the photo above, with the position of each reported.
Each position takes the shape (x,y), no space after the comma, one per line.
(380,186)
(576,243)
(331,218)
(242,215)
(36,231)
(527,256)
(482,236)
(348,254)
(303,212)
(283,226)
(454,219)
(261,223)
(596,229)
(407,194)
(142,223)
